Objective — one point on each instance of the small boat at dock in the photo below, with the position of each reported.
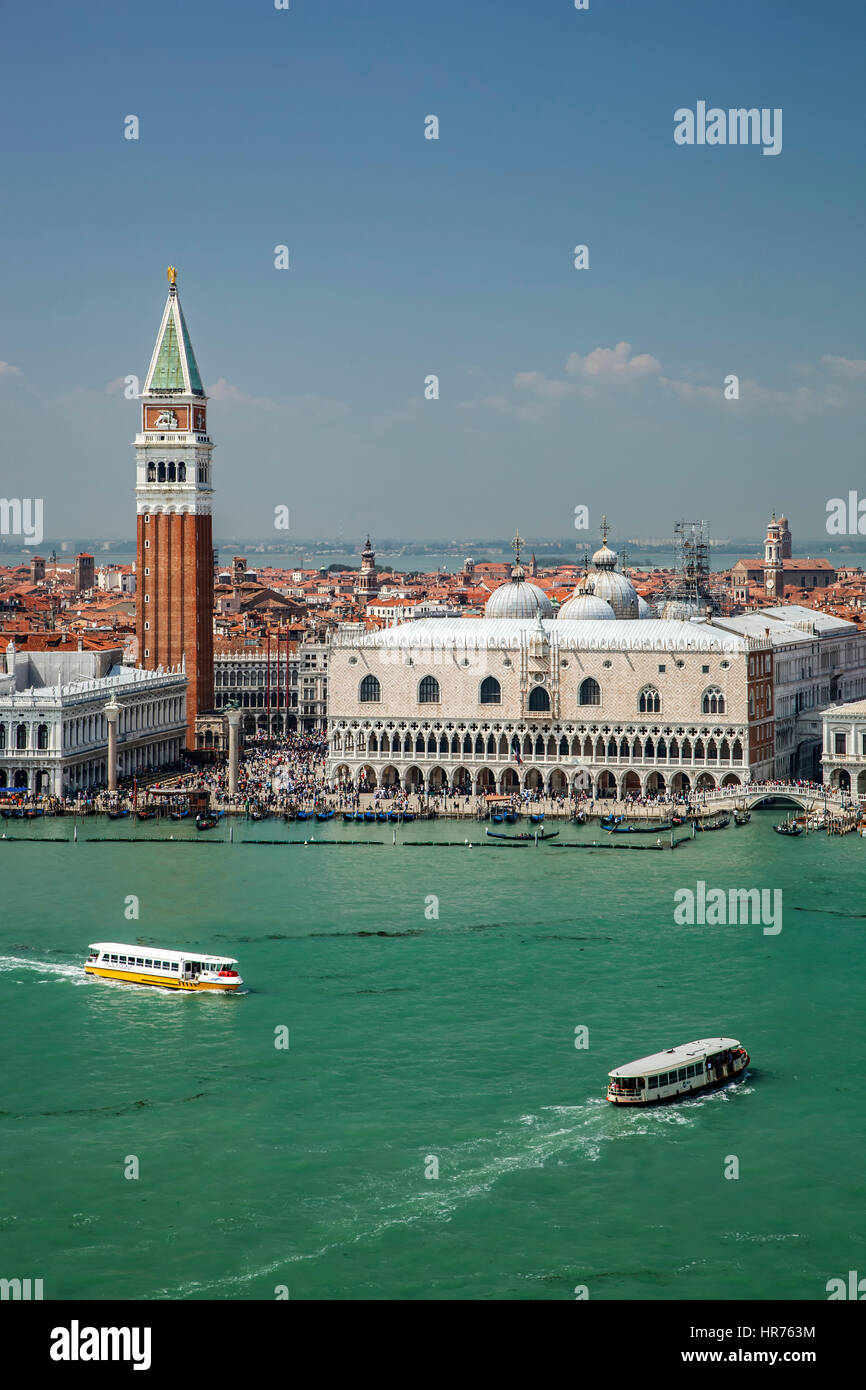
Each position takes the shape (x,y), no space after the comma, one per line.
(682,1071)
(788,827)
(325,815)
(523,835)
(640,828)
(146,814)
(714,822)
(205,822)
(741,815)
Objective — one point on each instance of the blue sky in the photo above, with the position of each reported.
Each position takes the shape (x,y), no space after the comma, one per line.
(408,257)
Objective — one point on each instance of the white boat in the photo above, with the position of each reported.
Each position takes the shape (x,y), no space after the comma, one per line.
(154,965)
(696,1066)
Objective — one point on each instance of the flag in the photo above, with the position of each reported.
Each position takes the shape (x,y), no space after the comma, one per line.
(515,748)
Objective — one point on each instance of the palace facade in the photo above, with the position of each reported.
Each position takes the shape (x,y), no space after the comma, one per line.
(499,704)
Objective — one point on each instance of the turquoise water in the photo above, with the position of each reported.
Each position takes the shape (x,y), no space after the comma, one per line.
(413,1038)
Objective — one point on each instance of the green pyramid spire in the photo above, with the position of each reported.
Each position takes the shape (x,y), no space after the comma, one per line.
(173,366)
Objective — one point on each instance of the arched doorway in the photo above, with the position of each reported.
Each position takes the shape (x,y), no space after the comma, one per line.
(485,781)
(606,784)
(557,782)
(413,779)
(509,781)
(20,779)
(705,782)
(681,782)
(842,779)
(390,776)
(630,783)
(532,780)
(437,779)
(731,779)
(367,779)
(655,782)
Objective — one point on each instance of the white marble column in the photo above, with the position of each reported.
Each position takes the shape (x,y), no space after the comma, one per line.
(234,721)
(112,714)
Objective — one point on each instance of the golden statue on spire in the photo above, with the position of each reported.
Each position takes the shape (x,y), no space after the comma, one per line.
(172,275)
(515,546)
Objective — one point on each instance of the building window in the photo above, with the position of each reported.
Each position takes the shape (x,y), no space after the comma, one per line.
(706,670)
(371,690)
(147,545)
(663,668)
(841,743)
(713,701)
(649,701)
(491,691)
(428,691)
(590,692)
(539,700)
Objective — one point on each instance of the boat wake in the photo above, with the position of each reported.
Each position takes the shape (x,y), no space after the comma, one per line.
(74,973)
(555,1134)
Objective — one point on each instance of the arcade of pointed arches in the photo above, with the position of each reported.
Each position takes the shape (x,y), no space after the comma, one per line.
(639,759)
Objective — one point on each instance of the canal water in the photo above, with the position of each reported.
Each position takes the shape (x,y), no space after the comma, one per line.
(431,1130)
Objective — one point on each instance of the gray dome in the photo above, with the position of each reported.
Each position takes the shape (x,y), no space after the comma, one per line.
(644,610)
(616,590)
(605,558)
(586,606)
(518,599)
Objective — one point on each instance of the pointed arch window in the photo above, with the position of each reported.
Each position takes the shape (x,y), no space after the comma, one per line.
(539,700)
(491,691)
(713,701)
(428,691)
(590,692)
(649,701)
(371,690)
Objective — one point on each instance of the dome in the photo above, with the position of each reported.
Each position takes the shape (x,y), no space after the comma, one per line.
(605,558)
(617,590)
(586,605)
(645,610)
(518,599)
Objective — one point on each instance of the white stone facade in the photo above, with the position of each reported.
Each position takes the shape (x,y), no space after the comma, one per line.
(844,756)
(54,738)
(635,705)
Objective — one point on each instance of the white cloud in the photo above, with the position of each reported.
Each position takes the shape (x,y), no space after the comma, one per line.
(224,391)
(6,369)
(848,366)
(613,365)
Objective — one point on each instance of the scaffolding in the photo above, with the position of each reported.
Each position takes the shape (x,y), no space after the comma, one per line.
(691,584)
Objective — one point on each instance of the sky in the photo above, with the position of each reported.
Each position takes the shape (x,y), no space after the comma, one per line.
(411,257)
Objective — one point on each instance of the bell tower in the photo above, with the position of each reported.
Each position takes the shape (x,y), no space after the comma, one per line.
(173,498)
(773,568)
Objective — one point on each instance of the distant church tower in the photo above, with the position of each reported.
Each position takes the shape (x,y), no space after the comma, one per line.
(368,582)
(174,580)
(773,569)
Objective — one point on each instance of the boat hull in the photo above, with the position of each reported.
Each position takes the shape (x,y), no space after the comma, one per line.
(737,1075)
(134,977)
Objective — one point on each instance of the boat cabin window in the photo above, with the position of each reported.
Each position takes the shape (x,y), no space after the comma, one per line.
(148,963)
(105,956)
(114,960)
(174,965)
(653,1083)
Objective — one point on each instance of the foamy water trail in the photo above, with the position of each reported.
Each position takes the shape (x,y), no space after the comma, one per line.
(74,973)
(470,1169)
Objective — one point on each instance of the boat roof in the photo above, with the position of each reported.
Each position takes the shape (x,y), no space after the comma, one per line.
(125,948)
(675,1056)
